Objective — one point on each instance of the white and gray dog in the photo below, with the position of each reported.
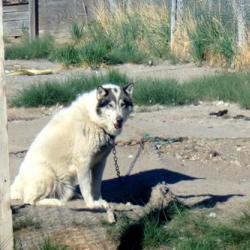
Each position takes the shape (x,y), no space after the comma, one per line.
(72,148)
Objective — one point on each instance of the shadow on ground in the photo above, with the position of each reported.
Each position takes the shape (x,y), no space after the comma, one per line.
(210,200)
(137,188)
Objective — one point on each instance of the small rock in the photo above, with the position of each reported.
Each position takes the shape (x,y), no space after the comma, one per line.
(213,154)
(150,63)
(212,215)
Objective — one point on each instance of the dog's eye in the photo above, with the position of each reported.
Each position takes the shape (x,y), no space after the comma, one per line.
(110,105)
(123,105)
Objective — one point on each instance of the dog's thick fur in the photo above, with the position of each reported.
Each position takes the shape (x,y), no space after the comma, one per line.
(72,148)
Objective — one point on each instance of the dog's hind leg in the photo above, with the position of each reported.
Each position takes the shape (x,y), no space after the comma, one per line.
(37,189)
(16,189)
(64,190)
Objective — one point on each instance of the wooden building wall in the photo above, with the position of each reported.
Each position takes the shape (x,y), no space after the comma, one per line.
(15,19)
(54,16)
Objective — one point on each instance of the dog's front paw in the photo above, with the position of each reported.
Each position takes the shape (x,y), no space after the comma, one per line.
(102,203)
(98,204)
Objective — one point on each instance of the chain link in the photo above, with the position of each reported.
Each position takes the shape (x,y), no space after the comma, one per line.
(117,169)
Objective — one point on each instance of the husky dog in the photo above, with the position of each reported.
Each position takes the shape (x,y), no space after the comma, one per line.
(72,148)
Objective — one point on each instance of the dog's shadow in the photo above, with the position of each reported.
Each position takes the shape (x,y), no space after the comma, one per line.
(137,188)
(210,200)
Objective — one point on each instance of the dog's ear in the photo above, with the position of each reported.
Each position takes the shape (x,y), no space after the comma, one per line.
(129,89)
(101,92)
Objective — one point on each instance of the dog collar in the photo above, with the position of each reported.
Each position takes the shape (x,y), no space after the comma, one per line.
(109,138)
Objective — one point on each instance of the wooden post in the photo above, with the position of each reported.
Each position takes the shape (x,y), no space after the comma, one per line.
(112,5)
(173,23)
(6,234)
(176,19)
(240,15)
(33,16)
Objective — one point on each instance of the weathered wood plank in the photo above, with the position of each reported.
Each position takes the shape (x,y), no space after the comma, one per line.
(6,233)
(57,16)
(15,16)
(15,28)
(12,2)
(32,19)
(14,33)
(16,24)
(16,8)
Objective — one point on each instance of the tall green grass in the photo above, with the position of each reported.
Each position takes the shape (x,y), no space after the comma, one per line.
(211,37)
(232,87)
(180,228)
(195,231)
(55,92)
(34,49)
(48,244)
(146,233)
(129,35)
(67,55)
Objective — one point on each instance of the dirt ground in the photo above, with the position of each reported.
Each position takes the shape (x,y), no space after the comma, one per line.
(179,72)
(203,158)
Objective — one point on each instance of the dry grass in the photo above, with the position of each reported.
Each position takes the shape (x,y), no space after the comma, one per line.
(151,18)
(182,45)
(242,58)
(204,39)
(216,60)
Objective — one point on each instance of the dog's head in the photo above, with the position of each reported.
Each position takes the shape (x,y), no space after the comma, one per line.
(114,104)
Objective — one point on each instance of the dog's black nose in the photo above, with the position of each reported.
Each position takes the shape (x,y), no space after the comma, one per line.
(119,120)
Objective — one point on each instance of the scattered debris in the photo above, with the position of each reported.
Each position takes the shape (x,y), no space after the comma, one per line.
(159,141)
(241,117)
(223,113)
(207,150)
(219,113)
(213,153)
(30,72)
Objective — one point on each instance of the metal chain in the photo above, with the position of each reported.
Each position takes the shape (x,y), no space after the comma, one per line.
(139,150)
(117,169)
